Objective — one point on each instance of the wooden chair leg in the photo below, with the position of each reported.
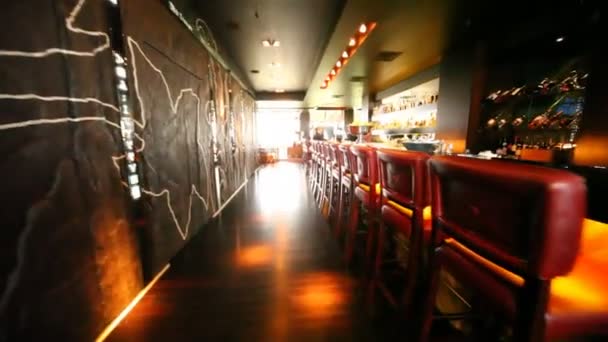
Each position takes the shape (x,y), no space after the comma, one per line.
(351,230)
(427,300)
(341,210)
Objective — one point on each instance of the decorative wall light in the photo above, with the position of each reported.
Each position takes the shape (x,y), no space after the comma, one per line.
(354,43)
(127,126)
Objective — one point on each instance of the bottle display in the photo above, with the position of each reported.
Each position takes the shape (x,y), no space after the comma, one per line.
(405,103)
(541,115)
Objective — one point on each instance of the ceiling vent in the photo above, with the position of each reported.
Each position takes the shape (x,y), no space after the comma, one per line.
(357,79)
(337,96)
(387,56)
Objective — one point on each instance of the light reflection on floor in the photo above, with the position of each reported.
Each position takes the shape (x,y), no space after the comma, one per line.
(268,271)
(280,192)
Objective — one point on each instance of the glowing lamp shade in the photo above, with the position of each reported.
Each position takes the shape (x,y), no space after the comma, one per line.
(362,28)
(327,79)
(332,72)
(338,64)
(344,54)
(352,42)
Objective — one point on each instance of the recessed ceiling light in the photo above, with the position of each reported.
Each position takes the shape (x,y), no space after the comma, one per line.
(352,42)
(324,84)
(271,42)
(254,71)
(344,54)
(274,64)
(279,91)
(338,64)
(559,39)
(362,28)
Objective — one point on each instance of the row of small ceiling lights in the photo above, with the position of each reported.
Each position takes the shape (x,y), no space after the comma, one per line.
(353,44)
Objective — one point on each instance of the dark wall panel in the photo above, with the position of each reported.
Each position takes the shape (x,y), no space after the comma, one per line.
(69,259)
(172,99)
(455,86)
(75,249)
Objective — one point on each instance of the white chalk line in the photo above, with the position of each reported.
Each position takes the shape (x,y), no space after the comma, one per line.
(57,98)
(69,21)
(174,103)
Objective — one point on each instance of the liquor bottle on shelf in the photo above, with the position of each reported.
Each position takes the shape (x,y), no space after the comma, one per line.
(545,86)
(518,147)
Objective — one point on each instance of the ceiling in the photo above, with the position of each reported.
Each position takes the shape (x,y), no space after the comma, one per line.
(419,30)
(302,27)
(314,33)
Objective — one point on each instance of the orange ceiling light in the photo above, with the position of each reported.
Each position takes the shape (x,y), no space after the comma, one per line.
(362,32)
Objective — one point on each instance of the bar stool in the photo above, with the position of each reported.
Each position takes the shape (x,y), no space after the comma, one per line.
(335,184)
(405,210)
(366,196)
(320,174)
(313,172)
(316,178)
(307,156)
(323,165)
(511,232)
(346,188)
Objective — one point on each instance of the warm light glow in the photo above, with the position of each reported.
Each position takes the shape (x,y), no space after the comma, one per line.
(327,79)
(254,256)
(352,42)
(266,43)
(344,54)
(108,330)
(579,290)
(333,72)
(274,65)
(559,39)
(584,284)
(276,43)
(324,84)
(362,28)
(338,64)
(279,90)
(322,295)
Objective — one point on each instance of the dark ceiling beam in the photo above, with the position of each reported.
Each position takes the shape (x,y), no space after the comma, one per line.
(286,96)
(419,78)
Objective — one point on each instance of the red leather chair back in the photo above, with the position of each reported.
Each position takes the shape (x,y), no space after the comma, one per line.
(524,218)
(365,167)
(345,157)
(334,154)
(404,177)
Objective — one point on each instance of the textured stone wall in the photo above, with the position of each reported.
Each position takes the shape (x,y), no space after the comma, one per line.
(74,247)
(68,249)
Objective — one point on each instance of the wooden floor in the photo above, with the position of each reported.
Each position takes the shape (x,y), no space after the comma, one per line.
(267,270)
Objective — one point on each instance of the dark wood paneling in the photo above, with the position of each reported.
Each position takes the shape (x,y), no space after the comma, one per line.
(172,73)
(69,259)
(70,256)
(455,85)
(591,149)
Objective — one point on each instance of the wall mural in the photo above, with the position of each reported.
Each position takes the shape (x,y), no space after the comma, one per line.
(234,109)
(92,214)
